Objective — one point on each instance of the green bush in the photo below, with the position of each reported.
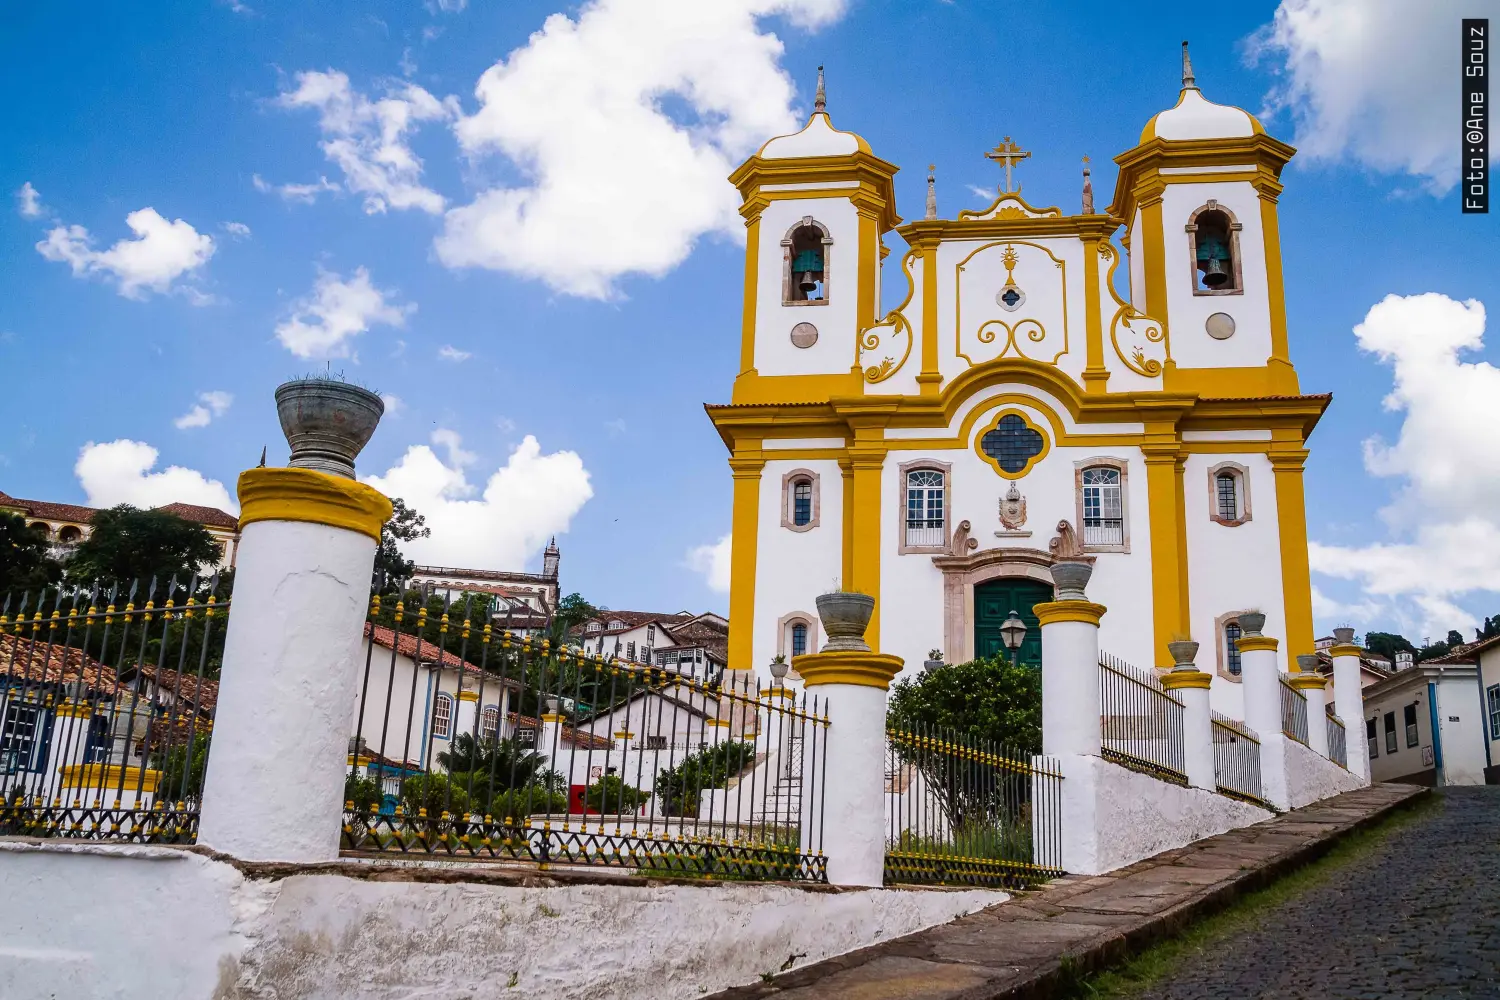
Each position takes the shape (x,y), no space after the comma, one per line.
(518,803)
(363,792)
(610,796)
(711,767)
(436,794)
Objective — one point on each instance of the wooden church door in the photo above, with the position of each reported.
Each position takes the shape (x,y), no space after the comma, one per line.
(994,600)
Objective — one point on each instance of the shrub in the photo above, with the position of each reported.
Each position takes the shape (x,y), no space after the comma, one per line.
(518,803)
(711,767)
(363,792)
(611,796)
(435,793)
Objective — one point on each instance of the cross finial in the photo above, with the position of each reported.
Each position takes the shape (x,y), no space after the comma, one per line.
(820,100)
(931,191)
(1088,189)
(1010,154)
(1188,83)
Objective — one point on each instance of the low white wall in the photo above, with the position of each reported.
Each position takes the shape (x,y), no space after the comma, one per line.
(1113,816)
(127,922)
(1311,777)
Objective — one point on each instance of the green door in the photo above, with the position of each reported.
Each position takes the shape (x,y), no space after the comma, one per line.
(994,600)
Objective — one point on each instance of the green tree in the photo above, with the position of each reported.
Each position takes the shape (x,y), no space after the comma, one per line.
(678,788)
(405,525)
(182,769)
(1388,644)
(485,766)
(610,796)
(572,611)
(132,544)
(984,699)
(24,563)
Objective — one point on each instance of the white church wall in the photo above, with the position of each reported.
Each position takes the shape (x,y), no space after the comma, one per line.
(833,353)
(793,567)
(329,936)
(894,342)
(1192,347)
(1137,293)
(1232,569)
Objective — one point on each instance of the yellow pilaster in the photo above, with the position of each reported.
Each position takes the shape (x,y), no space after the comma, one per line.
(1296,579)
(929,379)
(1154,248)
(752,289)
(1095,375)
(869,270)
(746,465)
(1283,375)
(862,539)
(846,525)
(1184,585)
(1168,549)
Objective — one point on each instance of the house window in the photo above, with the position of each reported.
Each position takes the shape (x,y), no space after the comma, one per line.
(805,252)
(1410,718)
(98,742)
(1372,739)
(489,723)
(802,502)
(1103,506)
(1214,251)
(24,738)
(924,509)
(593,627)
(799,500)
(1232,661)
(799,641)
(526,737)
(1492,696)
(1390,732)
(656,742)
(651,635)
(1229,494)
(442,717)
(616,623)
(630,651)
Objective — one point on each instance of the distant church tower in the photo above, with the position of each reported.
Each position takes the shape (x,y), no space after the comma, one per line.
(551,556)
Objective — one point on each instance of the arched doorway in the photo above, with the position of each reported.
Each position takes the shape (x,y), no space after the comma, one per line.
(994,600)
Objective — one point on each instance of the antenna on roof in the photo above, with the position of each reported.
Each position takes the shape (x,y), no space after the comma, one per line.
(1188,83)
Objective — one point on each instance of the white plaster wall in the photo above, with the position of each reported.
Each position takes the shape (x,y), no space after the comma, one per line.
(1311,778)
(1461,717)
(1113,817)
(793,567)
(834,351)
(1192,347)
(1137,264)
(328,936)
(1232,568)
(893,342)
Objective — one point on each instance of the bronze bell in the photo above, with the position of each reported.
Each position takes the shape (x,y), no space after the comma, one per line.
(807,283)
(1214,275)
(1213,255)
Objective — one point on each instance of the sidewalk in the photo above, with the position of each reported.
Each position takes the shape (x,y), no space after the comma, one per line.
(1015,950)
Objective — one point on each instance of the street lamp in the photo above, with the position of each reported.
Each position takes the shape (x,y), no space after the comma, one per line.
(1013,633)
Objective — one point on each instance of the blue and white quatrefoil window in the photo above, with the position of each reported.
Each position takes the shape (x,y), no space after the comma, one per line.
(1012,444)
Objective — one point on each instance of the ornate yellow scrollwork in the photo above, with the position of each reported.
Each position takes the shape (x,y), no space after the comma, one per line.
(1153,330)
(870,340)
(988,333)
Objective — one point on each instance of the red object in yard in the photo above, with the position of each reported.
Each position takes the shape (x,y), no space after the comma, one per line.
(575,801)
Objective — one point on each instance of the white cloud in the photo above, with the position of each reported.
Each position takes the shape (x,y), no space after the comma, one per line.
(984,194)
(450,353)
(368,140)
(1445,517)
(617,184)
(525,502)
(305,194)
(119,472)
(615,427)
(713,562)
(29,202)
(334,312)
(1374,81)
(446,6)
(238,230)
(161,253)
(450,442)
(209,405)
(394,404)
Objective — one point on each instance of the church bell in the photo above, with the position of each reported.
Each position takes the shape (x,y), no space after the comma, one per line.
(1213,256)
(807,283)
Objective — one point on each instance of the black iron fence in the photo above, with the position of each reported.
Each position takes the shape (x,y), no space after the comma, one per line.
(475,740)
(1236,759)
(969,812)
(1140,721)
(107,699)
(1293,712)
(1337,741)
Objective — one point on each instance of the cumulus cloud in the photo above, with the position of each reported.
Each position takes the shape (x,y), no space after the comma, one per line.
(450,353)
(713,562)
(335,311)
(523,503)
(119,472)
(394,404)
(29,202)
(616,183)
(1444,519)
(1372,81)
(160,253)
(369,140)
(209,405)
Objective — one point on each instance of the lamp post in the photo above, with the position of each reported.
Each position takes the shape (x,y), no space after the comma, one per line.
(1013,633)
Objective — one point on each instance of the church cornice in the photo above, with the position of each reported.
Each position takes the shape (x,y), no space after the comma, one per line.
(873,191)
(1140,178)
(930,232)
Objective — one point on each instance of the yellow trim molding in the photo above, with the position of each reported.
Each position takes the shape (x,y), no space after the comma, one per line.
(1256,643)
(314,497)
(468,696)
(848,667)
(624,734)
(781,692)
(550,717)
(1172,680)
(723,723)
(74,710)
(107,776)
(1068,611)
(1345,649)
(1303,682)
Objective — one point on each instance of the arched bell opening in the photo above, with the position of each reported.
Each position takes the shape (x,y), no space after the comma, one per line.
(805,263)
(1214,251)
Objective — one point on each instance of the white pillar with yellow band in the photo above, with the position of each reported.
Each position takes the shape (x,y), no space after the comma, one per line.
(1070,677)
(1314,687)
(1349,703)
(1191,688)
(1261,680)
(274,787)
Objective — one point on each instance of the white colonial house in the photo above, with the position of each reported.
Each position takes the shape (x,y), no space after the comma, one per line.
(1426,724)
(525,602)
(67,524)
(694,646)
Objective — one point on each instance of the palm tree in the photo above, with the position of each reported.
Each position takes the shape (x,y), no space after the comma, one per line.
(498,764)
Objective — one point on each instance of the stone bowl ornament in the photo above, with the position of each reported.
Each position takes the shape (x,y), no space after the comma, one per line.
(327,422)
(1307,663)
(1183,652)
(1251,622)
(845,616)
(779,669)
(1344,635)
(1070,577)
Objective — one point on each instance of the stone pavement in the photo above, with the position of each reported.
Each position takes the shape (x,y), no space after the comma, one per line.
(1025,948)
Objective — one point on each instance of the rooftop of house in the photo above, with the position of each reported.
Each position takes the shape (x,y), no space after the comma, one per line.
(36,663)
(211,517)
(426,652)
(1468,652)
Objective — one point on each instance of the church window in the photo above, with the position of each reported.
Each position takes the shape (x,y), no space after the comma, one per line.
(799,500)
(1012,445)
(1411,725)
(1229,494)
(799,638)
(926,522)
(805,270)
(442,717)
(1103,507)
(489,723)
(1232,661)
(1214,251)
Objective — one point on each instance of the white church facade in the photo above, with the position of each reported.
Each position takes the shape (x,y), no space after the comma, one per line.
(927,456)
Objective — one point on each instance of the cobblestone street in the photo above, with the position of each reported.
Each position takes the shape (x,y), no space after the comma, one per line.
(1417,916)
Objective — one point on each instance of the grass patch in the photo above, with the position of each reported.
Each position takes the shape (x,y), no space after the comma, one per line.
(1148,968)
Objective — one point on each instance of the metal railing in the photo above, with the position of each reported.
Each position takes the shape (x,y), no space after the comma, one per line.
(1337,741)
(107,699)
(968,812)
(592,761)
(1293,711)
(1236,759)
(1140,721)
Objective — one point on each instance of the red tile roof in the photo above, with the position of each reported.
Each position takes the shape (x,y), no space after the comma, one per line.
(578,737)
(211,516)
(426,652)
(185,686)
(34,662)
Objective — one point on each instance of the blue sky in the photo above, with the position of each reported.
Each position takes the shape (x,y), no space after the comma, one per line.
(553,259)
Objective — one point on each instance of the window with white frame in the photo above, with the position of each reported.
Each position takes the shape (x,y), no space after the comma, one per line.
(442,717)
(593,627)
(1103,506)
(1492,699)
(630,651)
(651,635)
(489,722)
(925,497)
(1372,739)
(1390,732)
(1410,719)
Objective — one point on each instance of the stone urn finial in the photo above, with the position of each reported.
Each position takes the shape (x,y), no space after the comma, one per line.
(327,422)
(1307,663)
(1251,622)
(845,617)
(1344,635)
(1183,653)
